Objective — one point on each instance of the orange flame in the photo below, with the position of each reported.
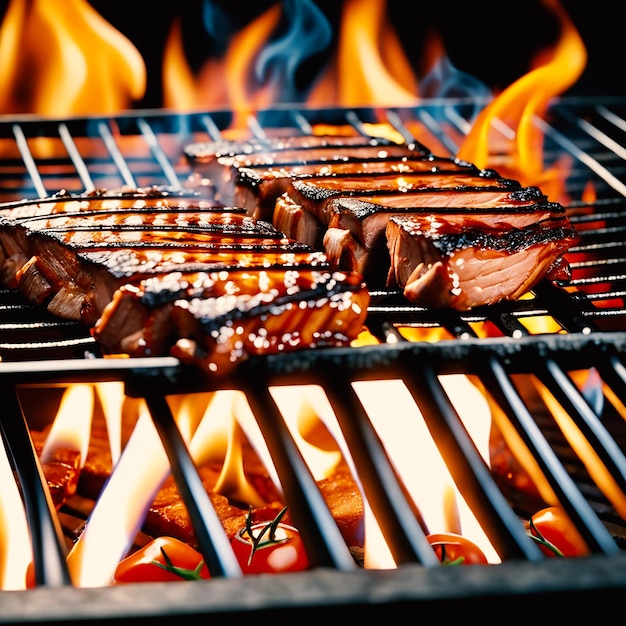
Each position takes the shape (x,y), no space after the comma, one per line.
(71,428)
(596,467)
(66,59)
(63,58)
(370,66)
(15,545)
(528,97)
(407,438)
(220,82)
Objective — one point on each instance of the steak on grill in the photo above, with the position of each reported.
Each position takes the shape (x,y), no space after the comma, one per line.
(154,272)
(223,166)
(473,267)
(448,230)
(460,237)
(256,187)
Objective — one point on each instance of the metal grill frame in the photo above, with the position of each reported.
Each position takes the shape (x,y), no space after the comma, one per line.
(328,589)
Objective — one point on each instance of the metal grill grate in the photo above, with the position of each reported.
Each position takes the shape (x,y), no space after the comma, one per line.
(40,157)
(586,330)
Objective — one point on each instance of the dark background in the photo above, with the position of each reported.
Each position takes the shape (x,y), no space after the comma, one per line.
(493,41)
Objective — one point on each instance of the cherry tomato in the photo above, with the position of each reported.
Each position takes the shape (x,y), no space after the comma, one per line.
(30,576)
(555,533)
(162,559)
(453,549)
(269,548)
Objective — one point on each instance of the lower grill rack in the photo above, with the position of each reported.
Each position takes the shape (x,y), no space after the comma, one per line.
(420,367)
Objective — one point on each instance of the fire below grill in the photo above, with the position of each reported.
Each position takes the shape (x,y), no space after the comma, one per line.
(554,335)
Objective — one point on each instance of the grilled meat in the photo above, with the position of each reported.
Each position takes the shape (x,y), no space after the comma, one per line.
(455,213)
(215,319)
(61,469)
(473,267)
(204,152)
(168,515)
(223,166)
(150,271)
(324,199)
(258,186)
(324,187)
(354,234)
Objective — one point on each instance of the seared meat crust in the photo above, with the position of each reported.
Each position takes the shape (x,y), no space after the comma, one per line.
(150,272)
(474,267)
(461,216)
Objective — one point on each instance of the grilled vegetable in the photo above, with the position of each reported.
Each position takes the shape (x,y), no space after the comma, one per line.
(453,549)
(269,548)
(555,533)
(162,559)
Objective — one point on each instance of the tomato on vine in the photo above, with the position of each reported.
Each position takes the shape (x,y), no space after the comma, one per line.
(269,547)
(264,547)
(454,549)
(555,533)
(162,559)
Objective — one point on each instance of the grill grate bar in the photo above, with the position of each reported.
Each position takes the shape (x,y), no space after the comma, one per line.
(302,123)
(50,567)
(500,386)
(116,154)
(569,397)
(81,167)
(397,124)
(598,135)
(322,539)
(29,161)
(210,534)
(575,405)
(405,532)
(557,303)
(613,371)
(159,154)
(495,360)
(212,129)
(467,467)
(609,115)
(435,128)
(583,156)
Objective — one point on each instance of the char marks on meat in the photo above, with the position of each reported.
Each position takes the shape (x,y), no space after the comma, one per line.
(443,231)
(155,273)
(476,266)
(258,186)
(253,175)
